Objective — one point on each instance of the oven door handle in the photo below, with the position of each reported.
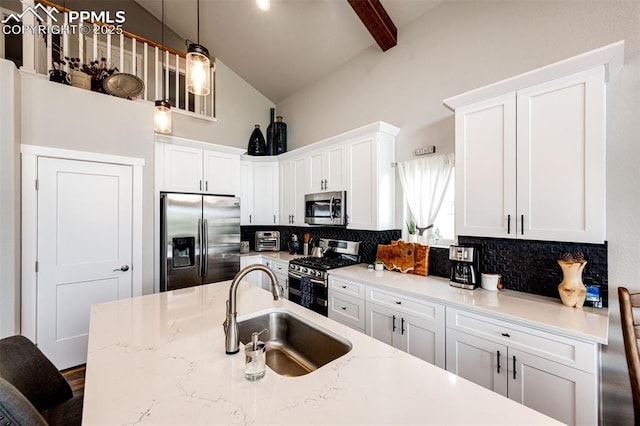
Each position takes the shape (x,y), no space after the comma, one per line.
(319,301)
(300,276)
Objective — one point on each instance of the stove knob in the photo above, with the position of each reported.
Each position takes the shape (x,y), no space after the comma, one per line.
(303,270)
(319,274)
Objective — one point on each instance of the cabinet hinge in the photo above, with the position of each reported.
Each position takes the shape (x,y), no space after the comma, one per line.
(36,266)
(37,184)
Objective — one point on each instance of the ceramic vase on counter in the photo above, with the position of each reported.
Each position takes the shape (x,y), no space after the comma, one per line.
(572,291)
(257,145)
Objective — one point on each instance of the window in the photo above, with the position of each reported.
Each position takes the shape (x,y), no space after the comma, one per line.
(429,193)
(444,225)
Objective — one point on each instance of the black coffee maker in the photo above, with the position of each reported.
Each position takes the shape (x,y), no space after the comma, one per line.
(294,244)
(465,267)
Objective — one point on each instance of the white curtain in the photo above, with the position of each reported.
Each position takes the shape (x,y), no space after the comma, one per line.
(424,182)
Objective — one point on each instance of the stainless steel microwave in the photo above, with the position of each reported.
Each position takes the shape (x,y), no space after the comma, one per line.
(326,208)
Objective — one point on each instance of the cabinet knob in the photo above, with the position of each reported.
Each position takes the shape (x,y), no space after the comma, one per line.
(398,302)
(344,308)
(344,286)
(506,335)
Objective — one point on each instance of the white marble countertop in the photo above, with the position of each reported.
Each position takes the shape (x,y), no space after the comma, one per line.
(547,313)
(159,359)
(278,255)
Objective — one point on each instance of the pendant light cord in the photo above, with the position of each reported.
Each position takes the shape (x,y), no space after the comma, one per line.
(164,88)
(198,21)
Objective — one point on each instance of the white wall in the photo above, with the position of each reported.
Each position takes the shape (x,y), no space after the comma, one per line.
(50,114)
(9,200)
(238,108)
(458,46)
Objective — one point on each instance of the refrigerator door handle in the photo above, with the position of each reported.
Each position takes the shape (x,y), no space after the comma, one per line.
(163,248)
(200,252)
(205,248)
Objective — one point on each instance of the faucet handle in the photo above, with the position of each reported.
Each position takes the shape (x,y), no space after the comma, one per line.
(225,324)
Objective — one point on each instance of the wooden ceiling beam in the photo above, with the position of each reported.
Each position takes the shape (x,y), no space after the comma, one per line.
(377,21)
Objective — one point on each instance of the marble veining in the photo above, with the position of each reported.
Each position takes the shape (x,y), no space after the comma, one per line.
(159,359)
(546,313)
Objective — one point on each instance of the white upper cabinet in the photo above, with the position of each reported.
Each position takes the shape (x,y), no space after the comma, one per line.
(561,159)
(292,189)
(221,173)
(182,171)
(265,193)
(246,192)
(486,168)
(530,152)
(531,164)
(189,168)
(328,170)
(371,182)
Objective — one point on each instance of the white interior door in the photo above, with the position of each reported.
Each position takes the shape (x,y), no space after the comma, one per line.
(84,217)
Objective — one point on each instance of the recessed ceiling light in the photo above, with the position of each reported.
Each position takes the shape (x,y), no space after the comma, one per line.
(263,4)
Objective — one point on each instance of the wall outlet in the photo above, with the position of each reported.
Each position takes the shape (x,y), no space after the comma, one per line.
(425,150)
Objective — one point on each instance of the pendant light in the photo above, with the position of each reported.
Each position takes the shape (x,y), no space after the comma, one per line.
(162,110)
(198,66)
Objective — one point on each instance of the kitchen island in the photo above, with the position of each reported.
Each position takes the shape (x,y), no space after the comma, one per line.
(160,359)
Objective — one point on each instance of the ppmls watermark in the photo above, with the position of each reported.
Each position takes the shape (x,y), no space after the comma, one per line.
(74,24)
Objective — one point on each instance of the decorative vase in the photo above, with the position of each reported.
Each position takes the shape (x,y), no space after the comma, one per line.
(96,85)
(271,134)
(257,146)
(80,79)
(572,291)
(59,76)
(280,141)
(413,238)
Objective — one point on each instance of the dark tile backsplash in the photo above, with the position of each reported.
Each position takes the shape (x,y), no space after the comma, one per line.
(527,266)
(532,267)
(369,240)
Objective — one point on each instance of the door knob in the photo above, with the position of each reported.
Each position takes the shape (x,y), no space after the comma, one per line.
(123,268)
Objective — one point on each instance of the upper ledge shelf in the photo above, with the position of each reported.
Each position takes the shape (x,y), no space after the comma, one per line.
(611,56)
(375,127)
(168,139)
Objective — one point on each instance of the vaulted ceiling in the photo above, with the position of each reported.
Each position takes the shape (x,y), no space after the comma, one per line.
(285,48)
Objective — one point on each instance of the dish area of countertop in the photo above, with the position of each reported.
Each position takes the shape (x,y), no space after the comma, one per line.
(160,359)
(550,314)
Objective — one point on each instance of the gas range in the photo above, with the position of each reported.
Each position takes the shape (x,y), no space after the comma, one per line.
(318,266)
(308,280)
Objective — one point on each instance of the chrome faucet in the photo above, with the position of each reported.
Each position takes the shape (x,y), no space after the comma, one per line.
(231,333)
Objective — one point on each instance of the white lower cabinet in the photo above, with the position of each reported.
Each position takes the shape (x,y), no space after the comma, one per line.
(281,269)
(254,277)
(412,325)
(346,303)
(553,374)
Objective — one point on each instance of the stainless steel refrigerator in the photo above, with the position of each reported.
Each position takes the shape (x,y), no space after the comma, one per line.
(200,239)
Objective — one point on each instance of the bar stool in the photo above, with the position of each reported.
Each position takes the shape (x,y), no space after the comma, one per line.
(631,334)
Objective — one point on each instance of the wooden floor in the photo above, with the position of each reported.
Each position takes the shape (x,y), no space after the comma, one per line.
(75,377)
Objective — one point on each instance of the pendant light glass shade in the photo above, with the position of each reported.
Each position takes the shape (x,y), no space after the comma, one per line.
(198,70)
(162,117)
(198,66)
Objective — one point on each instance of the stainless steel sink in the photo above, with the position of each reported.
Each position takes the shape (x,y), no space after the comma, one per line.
(294,346)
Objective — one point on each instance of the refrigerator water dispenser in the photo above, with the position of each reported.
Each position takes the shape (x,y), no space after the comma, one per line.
(184,252)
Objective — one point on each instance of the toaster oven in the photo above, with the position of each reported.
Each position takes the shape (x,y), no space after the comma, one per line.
(267,241)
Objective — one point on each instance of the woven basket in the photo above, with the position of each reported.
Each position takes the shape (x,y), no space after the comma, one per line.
(81,80)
